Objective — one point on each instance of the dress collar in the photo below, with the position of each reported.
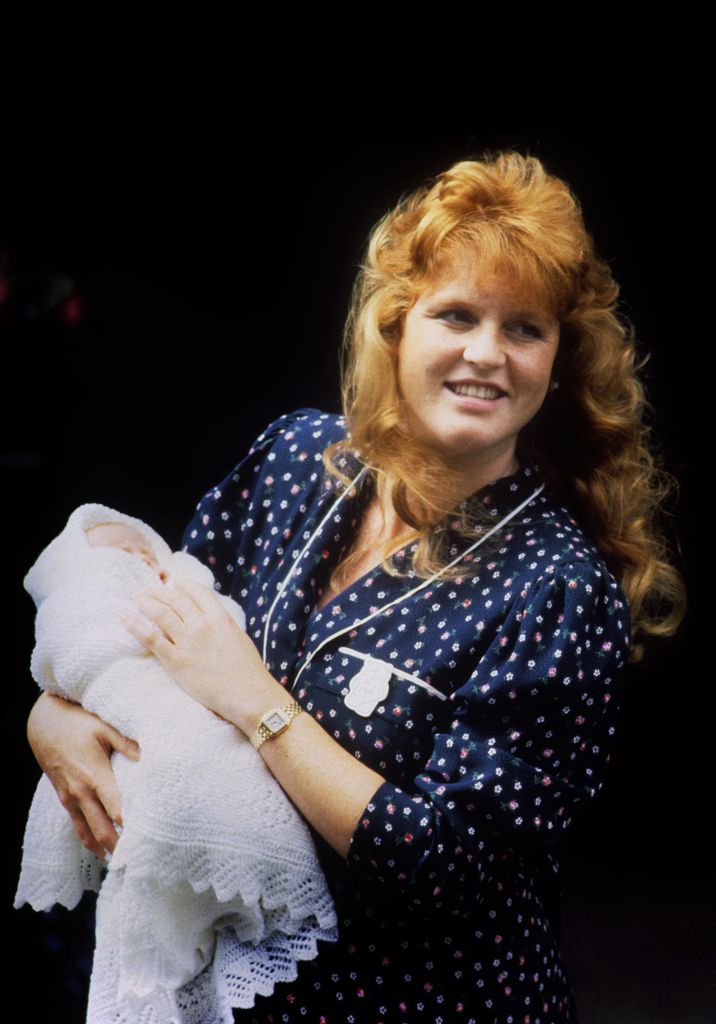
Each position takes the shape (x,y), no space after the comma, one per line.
(500,496)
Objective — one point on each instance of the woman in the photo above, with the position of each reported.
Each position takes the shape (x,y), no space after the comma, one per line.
(448,581)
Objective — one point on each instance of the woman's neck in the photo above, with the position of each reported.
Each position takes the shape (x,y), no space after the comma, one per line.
(384,520)
(473,479)
(385,517)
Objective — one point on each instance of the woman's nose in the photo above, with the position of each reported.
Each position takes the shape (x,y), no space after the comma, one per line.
(483,346)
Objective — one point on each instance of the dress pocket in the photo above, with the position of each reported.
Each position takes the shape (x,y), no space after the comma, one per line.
(385,717)
(376,687)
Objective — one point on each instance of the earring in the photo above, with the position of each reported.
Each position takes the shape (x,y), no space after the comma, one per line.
(554,385)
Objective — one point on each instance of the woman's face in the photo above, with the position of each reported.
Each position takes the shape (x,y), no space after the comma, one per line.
(475,360)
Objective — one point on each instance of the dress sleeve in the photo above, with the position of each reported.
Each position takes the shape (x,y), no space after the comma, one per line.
(218,532)
(529,740)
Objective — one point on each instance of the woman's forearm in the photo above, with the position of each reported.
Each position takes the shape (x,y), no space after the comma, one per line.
(211,657)
(325,782)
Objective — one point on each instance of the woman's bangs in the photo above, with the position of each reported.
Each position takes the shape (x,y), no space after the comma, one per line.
(496,254)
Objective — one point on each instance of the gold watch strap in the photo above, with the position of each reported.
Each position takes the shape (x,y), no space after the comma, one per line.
(274,722)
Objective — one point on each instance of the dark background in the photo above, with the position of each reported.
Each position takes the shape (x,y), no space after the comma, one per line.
(166,293)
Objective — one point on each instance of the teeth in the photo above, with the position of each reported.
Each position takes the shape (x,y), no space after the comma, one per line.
(474,391)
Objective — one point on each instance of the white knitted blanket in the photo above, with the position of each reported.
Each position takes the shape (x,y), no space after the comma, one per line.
(214,890)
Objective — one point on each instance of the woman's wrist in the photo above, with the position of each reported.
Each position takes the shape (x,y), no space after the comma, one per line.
(246,705)
(327,784)
(37,722)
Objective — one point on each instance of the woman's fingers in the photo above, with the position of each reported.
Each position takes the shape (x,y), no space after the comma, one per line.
(201,596)
(90,796)
(105,783)
(161,616)
(167,610)
(83,830)
(190,601)
(73,747)
(174,618)
(113,739)
(142,629)
(174,598)
(92,814)
(95,829)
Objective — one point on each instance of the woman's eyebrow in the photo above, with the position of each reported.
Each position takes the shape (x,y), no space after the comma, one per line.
(441,299)
(531,314)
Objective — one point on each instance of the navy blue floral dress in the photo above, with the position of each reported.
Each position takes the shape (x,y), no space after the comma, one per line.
(490,712)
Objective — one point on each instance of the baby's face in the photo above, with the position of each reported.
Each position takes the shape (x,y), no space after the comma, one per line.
(127,538)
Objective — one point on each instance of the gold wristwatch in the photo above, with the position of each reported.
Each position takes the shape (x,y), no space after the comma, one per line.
(274,722)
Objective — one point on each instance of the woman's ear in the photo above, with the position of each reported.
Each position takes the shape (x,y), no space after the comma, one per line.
(561,359)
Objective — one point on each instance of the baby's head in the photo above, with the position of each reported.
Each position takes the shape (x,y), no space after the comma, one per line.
(127,538)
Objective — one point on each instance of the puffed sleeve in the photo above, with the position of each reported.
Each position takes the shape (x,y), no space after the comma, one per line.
(529,740)
(219,530)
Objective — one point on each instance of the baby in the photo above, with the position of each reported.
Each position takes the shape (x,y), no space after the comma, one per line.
(214,890)
(129,539)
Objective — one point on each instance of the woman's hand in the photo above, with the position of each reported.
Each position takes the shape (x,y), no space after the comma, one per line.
(188,629)
(73,747)
(205,651)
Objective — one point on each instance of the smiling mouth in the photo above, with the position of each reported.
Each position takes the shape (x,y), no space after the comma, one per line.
(476,391)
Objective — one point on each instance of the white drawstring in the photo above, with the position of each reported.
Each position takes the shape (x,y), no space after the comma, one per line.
(421,586)
(295,565)
(395,671)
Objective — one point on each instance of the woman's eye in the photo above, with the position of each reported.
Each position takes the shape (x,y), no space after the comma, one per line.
(528,330)
(461,314)
(463,317)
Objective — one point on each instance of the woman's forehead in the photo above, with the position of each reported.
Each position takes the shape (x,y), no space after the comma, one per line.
(469,275)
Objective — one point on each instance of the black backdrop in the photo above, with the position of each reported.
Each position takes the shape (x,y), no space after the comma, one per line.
(165,294)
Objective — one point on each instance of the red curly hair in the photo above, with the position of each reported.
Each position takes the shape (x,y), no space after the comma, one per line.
(589,439)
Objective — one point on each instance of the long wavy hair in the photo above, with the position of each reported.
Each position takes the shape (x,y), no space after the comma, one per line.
(589,439)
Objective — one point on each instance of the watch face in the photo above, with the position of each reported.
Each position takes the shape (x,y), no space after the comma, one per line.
(276,720)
